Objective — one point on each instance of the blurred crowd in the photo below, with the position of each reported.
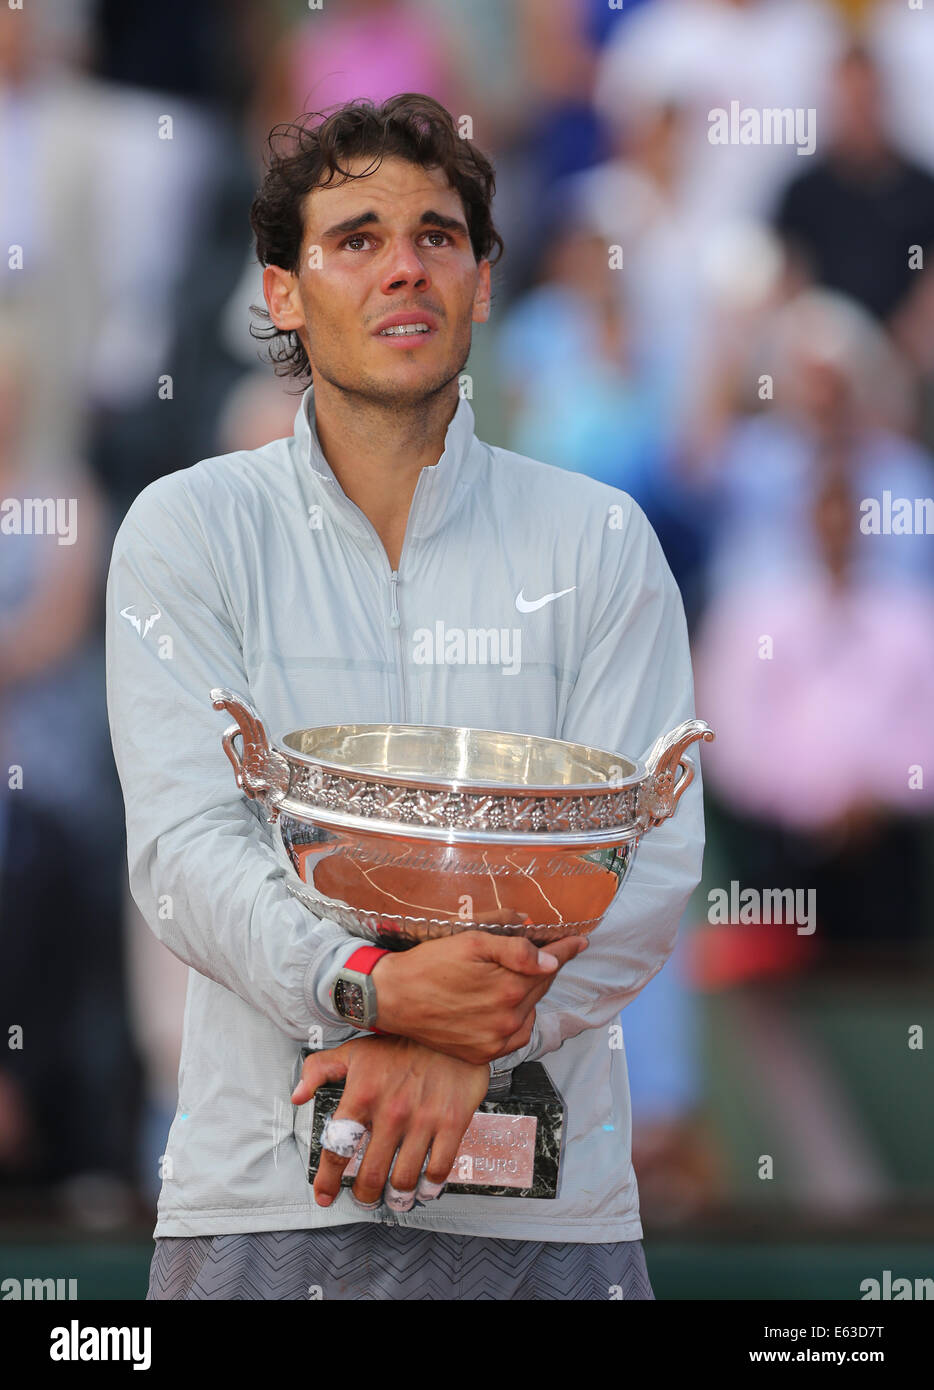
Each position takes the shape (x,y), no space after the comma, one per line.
(740,335)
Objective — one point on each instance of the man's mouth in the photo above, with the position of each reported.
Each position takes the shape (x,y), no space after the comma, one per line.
(404,330)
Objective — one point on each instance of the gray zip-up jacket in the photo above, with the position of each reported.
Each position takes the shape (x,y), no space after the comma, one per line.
(255,571)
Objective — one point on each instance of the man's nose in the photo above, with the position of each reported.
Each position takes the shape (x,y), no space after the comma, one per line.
(405,267)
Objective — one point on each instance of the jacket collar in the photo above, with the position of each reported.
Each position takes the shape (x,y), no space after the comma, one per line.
(441,486)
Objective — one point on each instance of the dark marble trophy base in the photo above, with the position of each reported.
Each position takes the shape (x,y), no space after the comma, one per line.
(514,1153)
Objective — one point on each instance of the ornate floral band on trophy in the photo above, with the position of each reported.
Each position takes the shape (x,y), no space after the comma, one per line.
(404,832)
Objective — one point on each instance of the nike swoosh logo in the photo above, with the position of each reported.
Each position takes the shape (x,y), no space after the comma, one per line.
(525,605)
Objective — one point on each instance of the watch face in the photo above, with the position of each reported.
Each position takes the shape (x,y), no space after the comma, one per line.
(348,1000)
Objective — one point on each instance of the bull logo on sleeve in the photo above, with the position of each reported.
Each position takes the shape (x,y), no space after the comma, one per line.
(134,618)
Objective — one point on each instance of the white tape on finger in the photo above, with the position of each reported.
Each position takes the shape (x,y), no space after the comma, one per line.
(396,1200)
(342,1137)
(428,1191)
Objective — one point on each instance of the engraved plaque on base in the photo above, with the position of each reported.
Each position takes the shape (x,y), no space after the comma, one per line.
(512,1147)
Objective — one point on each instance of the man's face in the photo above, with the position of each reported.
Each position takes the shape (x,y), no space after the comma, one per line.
(391,243)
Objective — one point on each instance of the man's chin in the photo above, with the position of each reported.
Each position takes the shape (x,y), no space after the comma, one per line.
(403,386)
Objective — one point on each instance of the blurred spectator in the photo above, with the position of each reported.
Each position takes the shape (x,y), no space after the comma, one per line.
(576,397)
(360,48)
(62,854)
(49,601)
(108,189)
(584,389)
(51,136)
(690,304)
(838,389)
(635,201)
(688,214)
(820,683)
(856,213)
(561,49)
(900,37)
(704,54)
(172,180)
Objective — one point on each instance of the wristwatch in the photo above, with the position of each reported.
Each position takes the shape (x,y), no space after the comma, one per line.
(353,993)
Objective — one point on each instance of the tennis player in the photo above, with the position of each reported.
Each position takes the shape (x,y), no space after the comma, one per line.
(323,575)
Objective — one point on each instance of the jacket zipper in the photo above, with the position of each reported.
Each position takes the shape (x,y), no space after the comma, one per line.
(395,622)
(395,617)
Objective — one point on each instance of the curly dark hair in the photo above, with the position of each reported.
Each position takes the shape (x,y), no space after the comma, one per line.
(410,126)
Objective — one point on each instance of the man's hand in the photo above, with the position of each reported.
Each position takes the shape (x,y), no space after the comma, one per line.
(412,1099)
(471,996)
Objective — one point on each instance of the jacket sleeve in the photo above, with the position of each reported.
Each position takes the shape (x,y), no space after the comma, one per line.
(203,869)
(634,683)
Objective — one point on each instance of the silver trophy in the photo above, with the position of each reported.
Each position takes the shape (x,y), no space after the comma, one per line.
(406,832)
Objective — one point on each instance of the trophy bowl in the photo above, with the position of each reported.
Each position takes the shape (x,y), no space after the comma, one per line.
(405,832)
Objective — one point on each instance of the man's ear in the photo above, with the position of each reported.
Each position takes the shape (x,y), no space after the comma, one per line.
(281,290)
(481,299)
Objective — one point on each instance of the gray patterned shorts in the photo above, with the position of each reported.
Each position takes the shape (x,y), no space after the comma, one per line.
(373,1262)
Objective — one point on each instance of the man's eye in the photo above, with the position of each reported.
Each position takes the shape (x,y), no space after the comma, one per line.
(361,236)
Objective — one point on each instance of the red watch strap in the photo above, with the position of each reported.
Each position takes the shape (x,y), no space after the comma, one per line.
(364,959)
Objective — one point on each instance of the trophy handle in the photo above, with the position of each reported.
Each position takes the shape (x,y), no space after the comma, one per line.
(660,792)
(262,773)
